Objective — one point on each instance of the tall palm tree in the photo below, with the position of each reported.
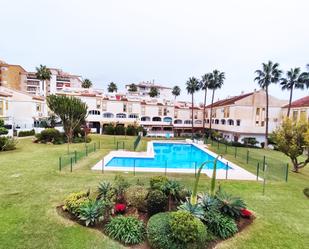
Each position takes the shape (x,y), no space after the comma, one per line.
(206,79)
(86,83)
(216,82)
(269,74)
(176,91)
(294,79)
(112,87)
(43,73)
(192,86)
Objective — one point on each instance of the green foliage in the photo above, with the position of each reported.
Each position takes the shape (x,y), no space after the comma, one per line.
(120,130)
(195,209)
(186,229)
(74,201)
(156,182)
(154,92)
(26,133)
(7,143)
(109,129)
(156,202)
(209,203)
(128,230)
(131,130)
(176,91)
(105,191)
(230,205)
(43,73)
(91,212)
(220,225)
(292,138)
(120,185)
(136,197)
(306,192)
(1,122)
(249,141)
(3,130)
(132,88)
(172,188)
(50,135)
(112,87)
(86,83)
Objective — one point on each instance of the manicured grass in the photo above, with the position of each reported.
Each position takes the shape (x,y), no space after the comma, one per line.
(31,187)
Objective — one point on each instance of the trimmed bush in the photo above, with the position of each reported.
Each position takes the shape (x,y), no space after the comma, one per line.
(156,202)
(157,182)
(26,133)
(109,129)
(126,229)
(50,135)
(220,225)
(120,130)
(75,201)
(187,229)
(131,130)
(7,143)
(136,197)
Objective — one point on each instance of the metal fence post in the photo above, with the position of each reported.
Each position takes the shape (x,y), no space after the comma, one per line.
(257,171)
(264,162)
(218,145)
(264,182)
(75,155)
(195,169)
(235,152)
(226,148)
(94,147)
(71,164)
(287,172)
(60,163)
(226,170)
(247,156)
(86,150)
(103,165)
(134,168)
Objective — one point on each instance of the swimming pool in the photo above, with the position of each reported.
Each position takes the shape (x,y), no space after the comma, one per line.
(169,155)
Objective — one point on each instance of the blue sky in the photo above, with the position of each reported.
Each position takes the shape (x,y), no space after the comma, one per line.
(166,41)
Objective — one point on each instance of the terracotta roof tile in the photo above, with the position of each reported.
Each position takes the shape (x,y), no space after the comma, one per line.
(303,102)
(229,101)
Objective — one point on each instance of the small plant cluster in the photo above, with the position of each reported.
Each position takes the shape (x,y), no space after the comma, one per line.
(176,219)
(26,133)
(3,130)
(52,135)
(7,143)
(130,130)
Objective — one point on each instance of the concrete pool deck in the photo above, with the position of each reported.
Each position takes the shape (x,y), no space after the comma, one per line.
(235,173)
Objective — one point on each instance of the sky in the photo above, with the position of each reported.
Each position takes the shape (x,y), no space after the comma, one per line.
(165,41)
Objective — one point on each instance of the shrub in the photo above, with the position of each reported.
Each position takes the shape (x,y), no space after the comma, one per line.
(196,210)
(230,205)
(128,230)
(105,191)
(220,225)
(7,143)
(187,230)
(120,130)
(245,213)
(209,203)
(120,185)
(131,130)
(81,139)
(74,201)
(156,202)
(109,129)
(50,135)
(250,141)
(91,212)
(3,131)
(306,192)
(120,208)
(136,197)
(157,182)
(26,133)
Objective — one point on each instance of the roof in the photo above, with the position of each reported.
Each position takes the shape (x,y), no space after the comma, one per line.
(38,98)
(303,102)
(149,84)
(3,94)
(230,101)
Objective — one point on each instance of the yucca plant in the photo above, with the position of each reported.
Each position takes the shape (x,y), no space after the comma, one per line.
(104,190)
(172,189)
(195,209)
(91,212)
(230,205)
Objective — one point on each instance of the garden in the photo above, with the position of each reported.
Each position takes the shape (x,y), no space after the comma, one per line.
(161,214)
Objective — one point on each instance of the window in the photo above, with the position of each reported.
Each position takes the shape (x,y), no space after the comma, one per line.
(108,115)
(178,121)
(295,115)
(7,105)
(262,123)
(230,122)
(133,115)
(1,108)
(94,112)
(176,114)
(165,112)
(223,121)
(188,122)
(98,104)
(167,119)
(226,112)
(124,107)
(257,111)
(145,118)
(38,107)
(121,115)
(217,121)
(303,113)
(195,115)
(238,122)
(130,107)
(156,119)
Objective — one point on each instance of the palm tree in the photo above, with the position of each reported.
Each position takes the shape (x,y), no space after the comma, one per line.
(112,87)
(294,80)
(216,82)
(43,73)
(176,91)
(206,79)
(154,92)
(192,86)
(86,83)
(269,74)
(132,88)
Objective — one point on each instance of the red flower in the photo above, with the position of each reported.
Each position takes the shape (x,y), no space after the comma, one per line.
(245,213)
(120,208)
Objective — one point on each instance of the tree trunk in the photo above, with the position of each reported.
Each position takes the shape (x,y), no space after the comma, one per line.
(266,121)
(210,119)
(290,101)
(192,117)
(204,112)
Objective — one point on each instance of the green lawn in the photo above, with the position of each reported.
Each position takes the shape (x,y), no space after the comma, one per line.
(31,187)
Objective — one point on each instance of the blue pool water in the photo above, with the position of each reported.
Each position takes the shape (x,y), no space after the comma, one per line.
(170,155)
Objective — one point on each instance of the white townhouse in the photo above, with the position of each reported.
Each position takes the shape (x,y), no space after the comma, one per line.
(299,109)
(245,115)
(19,110)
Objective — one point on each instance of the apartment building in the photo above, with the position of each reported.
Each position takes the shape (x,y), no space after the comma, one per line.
(20,110)
(10,75)
(245,116)
(143,89)
(299,109)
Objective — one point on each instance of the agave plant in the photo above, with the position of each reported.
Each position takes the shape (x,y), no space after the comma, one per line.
(230,205)
(91,212)
(208,203)
(172,189)
(104,190)
(195,209)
